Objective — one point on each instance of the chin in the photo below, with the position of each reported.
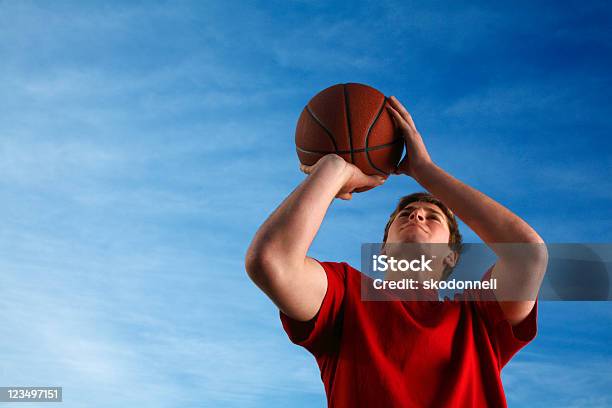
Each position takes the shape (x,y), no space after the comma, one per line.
(415,238)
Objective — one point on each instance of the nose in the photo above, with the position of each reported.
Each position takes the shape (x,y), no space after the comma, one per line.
(418,215)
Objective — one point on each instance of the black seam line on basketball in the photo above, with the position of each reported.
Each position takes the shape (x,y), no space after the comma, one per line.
(367,139)
(369,149)
(348,121)
(329,133)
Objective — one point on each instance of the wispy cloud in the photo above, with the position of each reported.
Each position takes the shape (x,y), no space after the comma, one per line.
(141,147)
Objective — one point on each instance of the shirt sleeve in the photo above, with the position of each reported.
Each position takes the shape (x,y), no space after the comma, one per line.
(506,339)
(323,330)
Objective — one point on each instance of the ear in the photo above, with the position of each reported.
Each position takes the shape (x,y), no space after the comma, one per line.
(451,259)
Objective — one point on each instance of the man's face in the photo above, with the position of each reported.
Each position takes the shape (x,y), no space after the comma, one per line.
(419,222)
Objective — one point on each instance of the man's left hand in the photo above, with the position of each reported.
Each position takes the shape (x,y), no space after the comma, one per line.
(416,156)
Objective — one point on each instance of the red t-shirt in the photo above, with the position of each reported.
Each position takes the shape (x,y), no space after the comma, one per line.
(408,353)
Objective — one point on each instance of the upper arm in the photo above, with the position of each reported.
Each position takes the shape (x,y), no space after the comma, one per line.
(297,291)
(518,282)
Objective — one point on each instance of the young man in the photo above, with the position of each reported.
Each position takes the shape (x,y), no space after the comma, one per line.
(398,354)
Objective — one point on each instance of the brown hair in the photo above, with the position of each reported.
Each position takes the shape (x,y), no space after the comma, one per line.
(455,239)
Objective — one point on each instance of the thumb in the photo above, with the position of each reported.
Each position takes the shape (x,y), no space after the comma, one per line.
(402,165)
(373,180)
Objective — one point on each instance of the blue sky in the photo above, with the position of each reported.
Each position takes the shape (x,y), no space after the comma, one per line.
(142,144)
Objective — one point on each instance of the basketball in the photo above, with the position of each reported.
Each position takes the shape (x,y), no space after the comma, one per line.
(351,121)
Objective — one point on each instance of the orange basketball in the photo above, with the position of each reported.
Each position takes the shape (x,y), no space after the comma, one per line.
(351,121)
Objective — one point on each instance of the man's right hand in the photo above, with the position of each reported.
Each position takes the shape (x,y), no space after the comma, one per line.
(277,259)
(356,181)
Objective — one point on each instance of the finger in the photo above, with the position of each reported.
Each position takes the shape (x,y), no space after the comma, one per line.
(400,108)
(306,169)
(374,181)
(403,111)
(396,169)
(362,189)
(368,182)
(398,120)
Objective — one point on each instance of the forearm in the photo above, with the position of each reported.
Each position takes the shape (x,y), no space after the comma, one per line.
(491,221)
(287,234)
(519,269)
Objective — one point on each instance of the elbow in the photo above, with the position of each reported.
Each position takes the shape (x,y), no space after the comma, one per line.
(260,266)
(542,257)
(253,262)
(533,251)
(534,256)
(530,253)
(538,252)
